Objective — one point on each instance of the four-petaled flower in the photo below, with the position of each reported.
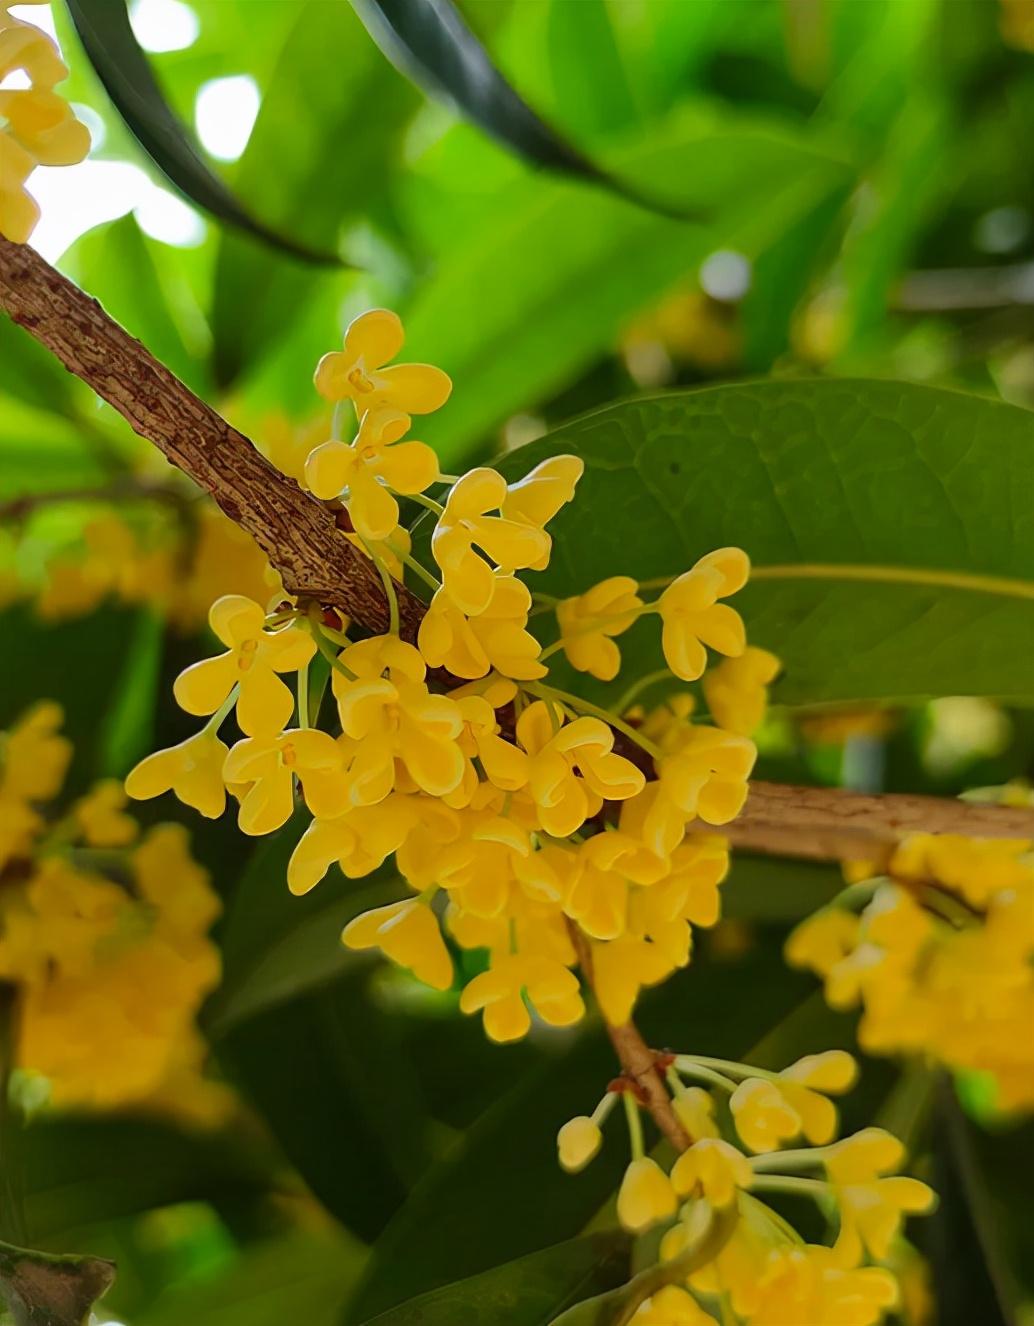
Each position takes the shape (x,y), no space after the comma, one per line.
(374,462)
(358,373)
(253,658)
(192,771)
(588,622)
(267,767)
(692,617)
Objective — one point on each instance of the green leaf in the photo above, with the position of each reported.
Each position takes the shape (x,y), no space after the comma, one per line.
(299,1278)
(327,1074)
(42,451)
(472,1209)
(429,41)
(104,30)
(81,1171)
(551,276)
(527,1292)
(331,154)
(891,543)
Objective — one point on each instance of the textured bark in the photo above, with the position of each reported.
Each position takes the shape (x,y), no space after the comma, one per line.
(297,533)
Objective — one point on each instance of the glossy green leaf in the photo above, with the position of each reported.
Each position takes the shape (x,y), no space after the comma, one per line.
(890,527)
(528,1292)
(430,42)
(471,1211)
(553,274)
(128,727)
(104,30)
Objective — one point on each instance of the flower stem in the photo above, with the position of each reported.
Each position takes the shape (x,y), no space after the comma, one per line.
(624,702)
(218,718)
(389,586)
(635,1125)
(303,697)
(585,706)
(429,502)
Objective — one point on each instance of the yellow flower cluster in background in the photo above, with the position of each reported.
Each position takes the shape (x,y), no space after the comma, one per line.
(173,562)
(941,958)
(761,1271)
(103,933)
(37,126)
(511,807)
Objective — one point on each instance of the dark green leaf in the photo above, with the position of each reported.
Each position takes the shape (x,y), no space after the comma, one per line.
(888,524)
(527,1292)
(429,41)
(326,1073)
(128,727)
(104,30)
(80,1171)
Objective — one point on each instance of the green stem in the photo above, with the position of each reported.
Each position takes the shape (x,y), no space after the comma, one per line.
(337,420)
(303,697)
(635,1125)
(219,717)
(389,586)
(814,1188)
(408,560)
(705,1075)
(426,501)
(576,702)
(636,689)
(327,650)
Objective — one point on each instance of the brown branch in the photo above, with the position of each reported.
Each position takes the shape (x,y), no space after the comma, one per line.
(296,532)
(635,1056)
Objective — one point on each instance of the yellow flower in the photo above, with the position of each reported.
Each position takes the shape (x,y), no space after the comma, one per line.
(358,373)
(621,968)
(192,771)
(713,1169)
(871,1207)
(694,1109)
(495,638)
(394,717)
(823,941)
(537,497)
(45,126)
(589,621)
(100,816)
(360,840)
(805,1284)
(578,1141)
(408,933)
(19,211)
(269,765)
(466,522)
(646,1196)
(692,616)
(706,777)
(573,768)
(764,1118)
(254,656)
(35,757)
(374,462)
(736,690)
(550,986)
(172,881)
(671,1306)
(28,49)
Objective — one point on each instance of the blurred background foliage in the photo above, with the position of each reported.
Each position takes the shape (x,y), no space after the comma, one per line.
(862,176)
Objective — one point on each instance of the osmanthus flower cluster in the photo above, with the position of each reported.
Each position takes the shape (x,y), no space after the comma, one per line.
(728,1254)
(939,951)
(509,811)
(37,126)
(103,933)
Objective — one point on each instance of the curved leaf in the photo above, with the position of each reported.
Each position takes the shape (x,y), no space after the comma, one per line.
(120,63)
(891,528)
(527,1292)
(429,42)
